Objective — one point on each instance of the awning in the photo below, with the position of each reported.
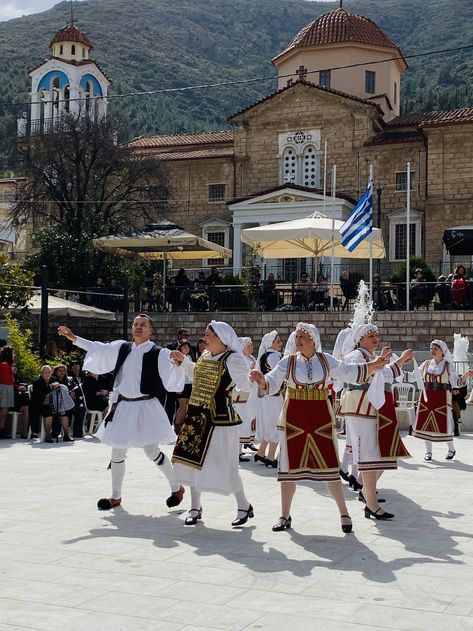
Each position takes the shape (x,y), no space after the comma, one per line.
(459,240)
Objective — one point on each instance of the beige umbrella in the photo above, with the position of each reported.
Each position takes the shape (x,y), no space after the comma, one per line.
(61,307)
(161,242)
(308,237)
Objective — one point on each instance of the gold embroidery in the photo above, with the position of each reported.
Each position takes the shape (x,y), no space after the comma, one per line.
(307,394)
(206,379)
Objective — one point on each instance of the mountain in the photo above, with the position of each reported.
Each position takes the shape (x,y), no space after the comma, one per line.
(153,44)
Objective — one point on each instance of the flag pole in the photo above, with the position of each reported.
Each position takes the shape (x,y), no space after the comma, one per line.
(334,188)
(371,242)
(408,236)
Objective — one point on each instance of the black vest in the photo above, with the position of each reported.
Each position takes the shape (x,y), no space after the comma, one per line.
(151,382)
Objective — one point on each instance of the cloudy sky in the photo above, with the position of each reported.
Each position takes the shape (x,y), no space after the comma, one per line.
(16,8)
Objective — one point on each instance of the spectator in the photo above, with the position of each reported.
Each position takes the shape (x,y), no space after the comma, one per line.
(21,402)
(212,281)
(42,404)
(184,396)
(443,291)
(321,299)
(114,299)
(183,284)
(200,348)
(51,350)
(96,398)
(348,289)
(199,297)
(7,396)
(270,295)
(303,291)
(420,293)
(170,294)
(98,298)
(379,296)
(64,417)
(459,290)
(171,397)
(458,405)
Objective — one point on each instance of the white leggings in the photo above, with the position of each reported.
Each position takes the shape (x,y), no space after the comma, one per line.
(154,453)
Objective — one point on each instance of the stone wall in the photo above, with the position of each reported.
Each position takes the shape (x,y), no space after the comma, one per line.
(400,330)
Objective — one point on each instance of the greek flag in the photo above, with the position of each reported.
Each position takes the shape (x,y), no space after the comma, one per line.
(360,223)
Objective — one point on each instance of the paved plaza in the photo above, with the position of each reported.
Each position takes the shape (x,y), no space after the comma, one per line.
(64,565)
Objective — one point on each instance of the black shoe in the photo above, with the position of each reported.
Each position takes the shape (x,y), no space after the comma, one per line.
(353,482)
(191,520)
(259,458)
(67,439)
(376,514)
(107,503)
(361,498)
(175,498)
(48,440)
(283,523)
(344,475)
(346,528)
(239,521)
(243,458)
(250,447)
(271,463)
(450,455)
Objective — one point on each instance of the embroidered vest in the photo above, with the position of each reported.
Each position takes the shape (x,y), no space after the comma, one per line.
(151,382)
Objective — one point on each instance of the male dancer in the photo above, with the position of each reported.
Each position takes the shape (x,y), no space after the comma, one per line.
(142,372)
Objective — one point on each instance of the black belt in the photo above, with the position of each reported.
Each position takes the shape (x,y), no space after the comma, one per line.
(145,397)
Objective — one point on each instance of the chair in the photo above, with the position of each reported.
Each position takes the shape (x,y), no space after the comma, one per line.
(14,423)
(404,397)
(96,416)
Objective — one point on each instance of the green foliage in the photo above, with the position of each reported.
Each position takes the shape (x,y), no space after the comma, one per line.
(149,45)
(415,262)
(15,281)
(28,362)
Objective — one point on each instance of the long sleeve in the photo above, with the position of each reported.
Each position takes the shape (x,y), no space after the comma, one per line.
(455,379)
(410,376)
(101,357)
(172,376)
(188,366)
(239,372)
(275,378)
(352,370)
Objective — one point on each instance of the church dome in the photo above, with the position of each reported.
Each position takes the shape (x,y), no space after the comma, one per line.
(339,27)
(72,34)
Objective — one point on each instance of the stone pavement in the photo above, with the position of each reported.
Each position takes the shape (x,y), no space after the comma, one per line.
(66,566)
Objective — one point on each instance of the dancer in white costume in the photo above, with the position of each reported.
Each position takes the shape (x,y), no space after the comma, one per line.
(142,373)
(245,402)
(268,408)
(206,453)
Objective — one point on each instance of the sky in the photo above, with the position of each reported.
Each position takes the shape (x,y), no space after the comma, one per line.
(16,8)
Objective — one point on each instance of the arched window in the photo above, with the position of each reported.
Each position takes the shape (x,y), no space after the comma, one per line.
(61,49)
(89,90)
(55,92)
(310,168)
(73,49)
(67,96)
(289,165)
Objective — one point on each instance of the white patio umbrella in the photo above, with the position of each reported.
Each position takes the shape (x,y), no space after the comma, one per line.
(310,236)
(161,242)
(61,307)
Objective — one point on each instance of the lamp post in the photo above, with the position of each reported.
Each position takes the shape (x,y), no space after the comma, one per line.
(379,186)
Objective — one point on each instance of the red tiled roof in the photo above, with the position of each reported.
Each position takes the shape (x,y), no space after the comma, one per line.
(199,154)
(340,27)
(71,34)
(392,137)
(309,85)
(439,118)
(204,138)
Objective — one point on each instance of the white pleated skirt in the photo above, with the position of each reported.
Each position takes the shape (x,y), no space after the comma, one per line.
(136,424)
(267,415)
(247,413)
(219,473)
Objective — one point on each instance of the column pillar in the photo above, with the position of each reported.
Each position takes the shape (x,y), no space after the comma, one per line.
(236,248)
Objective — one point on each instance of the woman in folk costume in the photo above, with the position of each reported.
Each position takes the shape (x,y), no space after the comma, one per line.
(245,402)
(370,415)
(434,422)
(269,408)
(206,452)
(308,448)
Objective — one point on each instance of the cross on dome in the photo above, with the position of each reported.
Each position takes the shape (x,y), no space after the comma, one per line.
(302,73)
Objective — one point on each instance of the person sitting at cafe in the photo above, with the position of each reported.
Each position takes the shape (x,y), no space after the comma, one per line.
(270,296)
(303,292)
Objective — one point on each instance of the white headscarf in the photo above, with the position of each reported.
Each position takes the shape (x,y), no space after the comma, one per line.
(444,348)
(311,331)
(244,341)
(357,334)
(227,335)
(266,343)
(340,341)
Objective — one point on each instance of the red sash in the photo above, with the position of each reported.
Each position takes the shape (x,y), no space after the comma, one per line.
(389,438)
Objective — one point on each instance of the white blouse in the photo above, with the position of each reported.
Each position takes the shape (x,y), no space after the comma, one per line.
(102,358)
(437,369)
(237,365)
(389,372)
(310,371)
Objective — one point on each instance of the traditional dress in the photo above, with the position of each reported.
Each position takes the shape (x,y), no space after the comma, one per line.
(371,420)
(245,403)
(308,448)
(136,418)
(434,422)
(206,453)
(268,408)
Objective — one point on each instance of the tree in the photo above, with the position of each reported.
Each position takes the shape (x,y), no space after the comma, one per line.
(15,283)
(27,361)
(82,184)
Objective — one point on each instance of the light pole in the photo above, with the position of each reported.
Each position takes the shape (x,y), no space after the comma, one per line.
(379,186)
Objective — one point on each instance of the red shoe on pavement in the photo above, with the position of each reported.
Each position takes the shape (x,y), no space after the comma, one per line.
(108,503)
(175,498)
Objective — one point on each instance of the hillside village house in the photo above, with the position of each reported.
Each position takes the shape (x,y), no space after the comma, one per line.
(269,165)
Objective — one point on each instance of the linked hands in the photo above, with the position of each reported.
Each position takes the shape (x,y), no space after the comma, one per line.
(177,357)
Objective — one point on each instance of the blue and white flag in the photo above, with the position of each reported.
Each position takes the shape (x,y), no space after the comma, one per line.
(360,223)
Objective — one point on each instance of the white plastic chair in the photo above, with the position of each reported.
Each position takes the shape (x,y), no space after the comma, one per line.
(404,397)
(96,416)
(14,423)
